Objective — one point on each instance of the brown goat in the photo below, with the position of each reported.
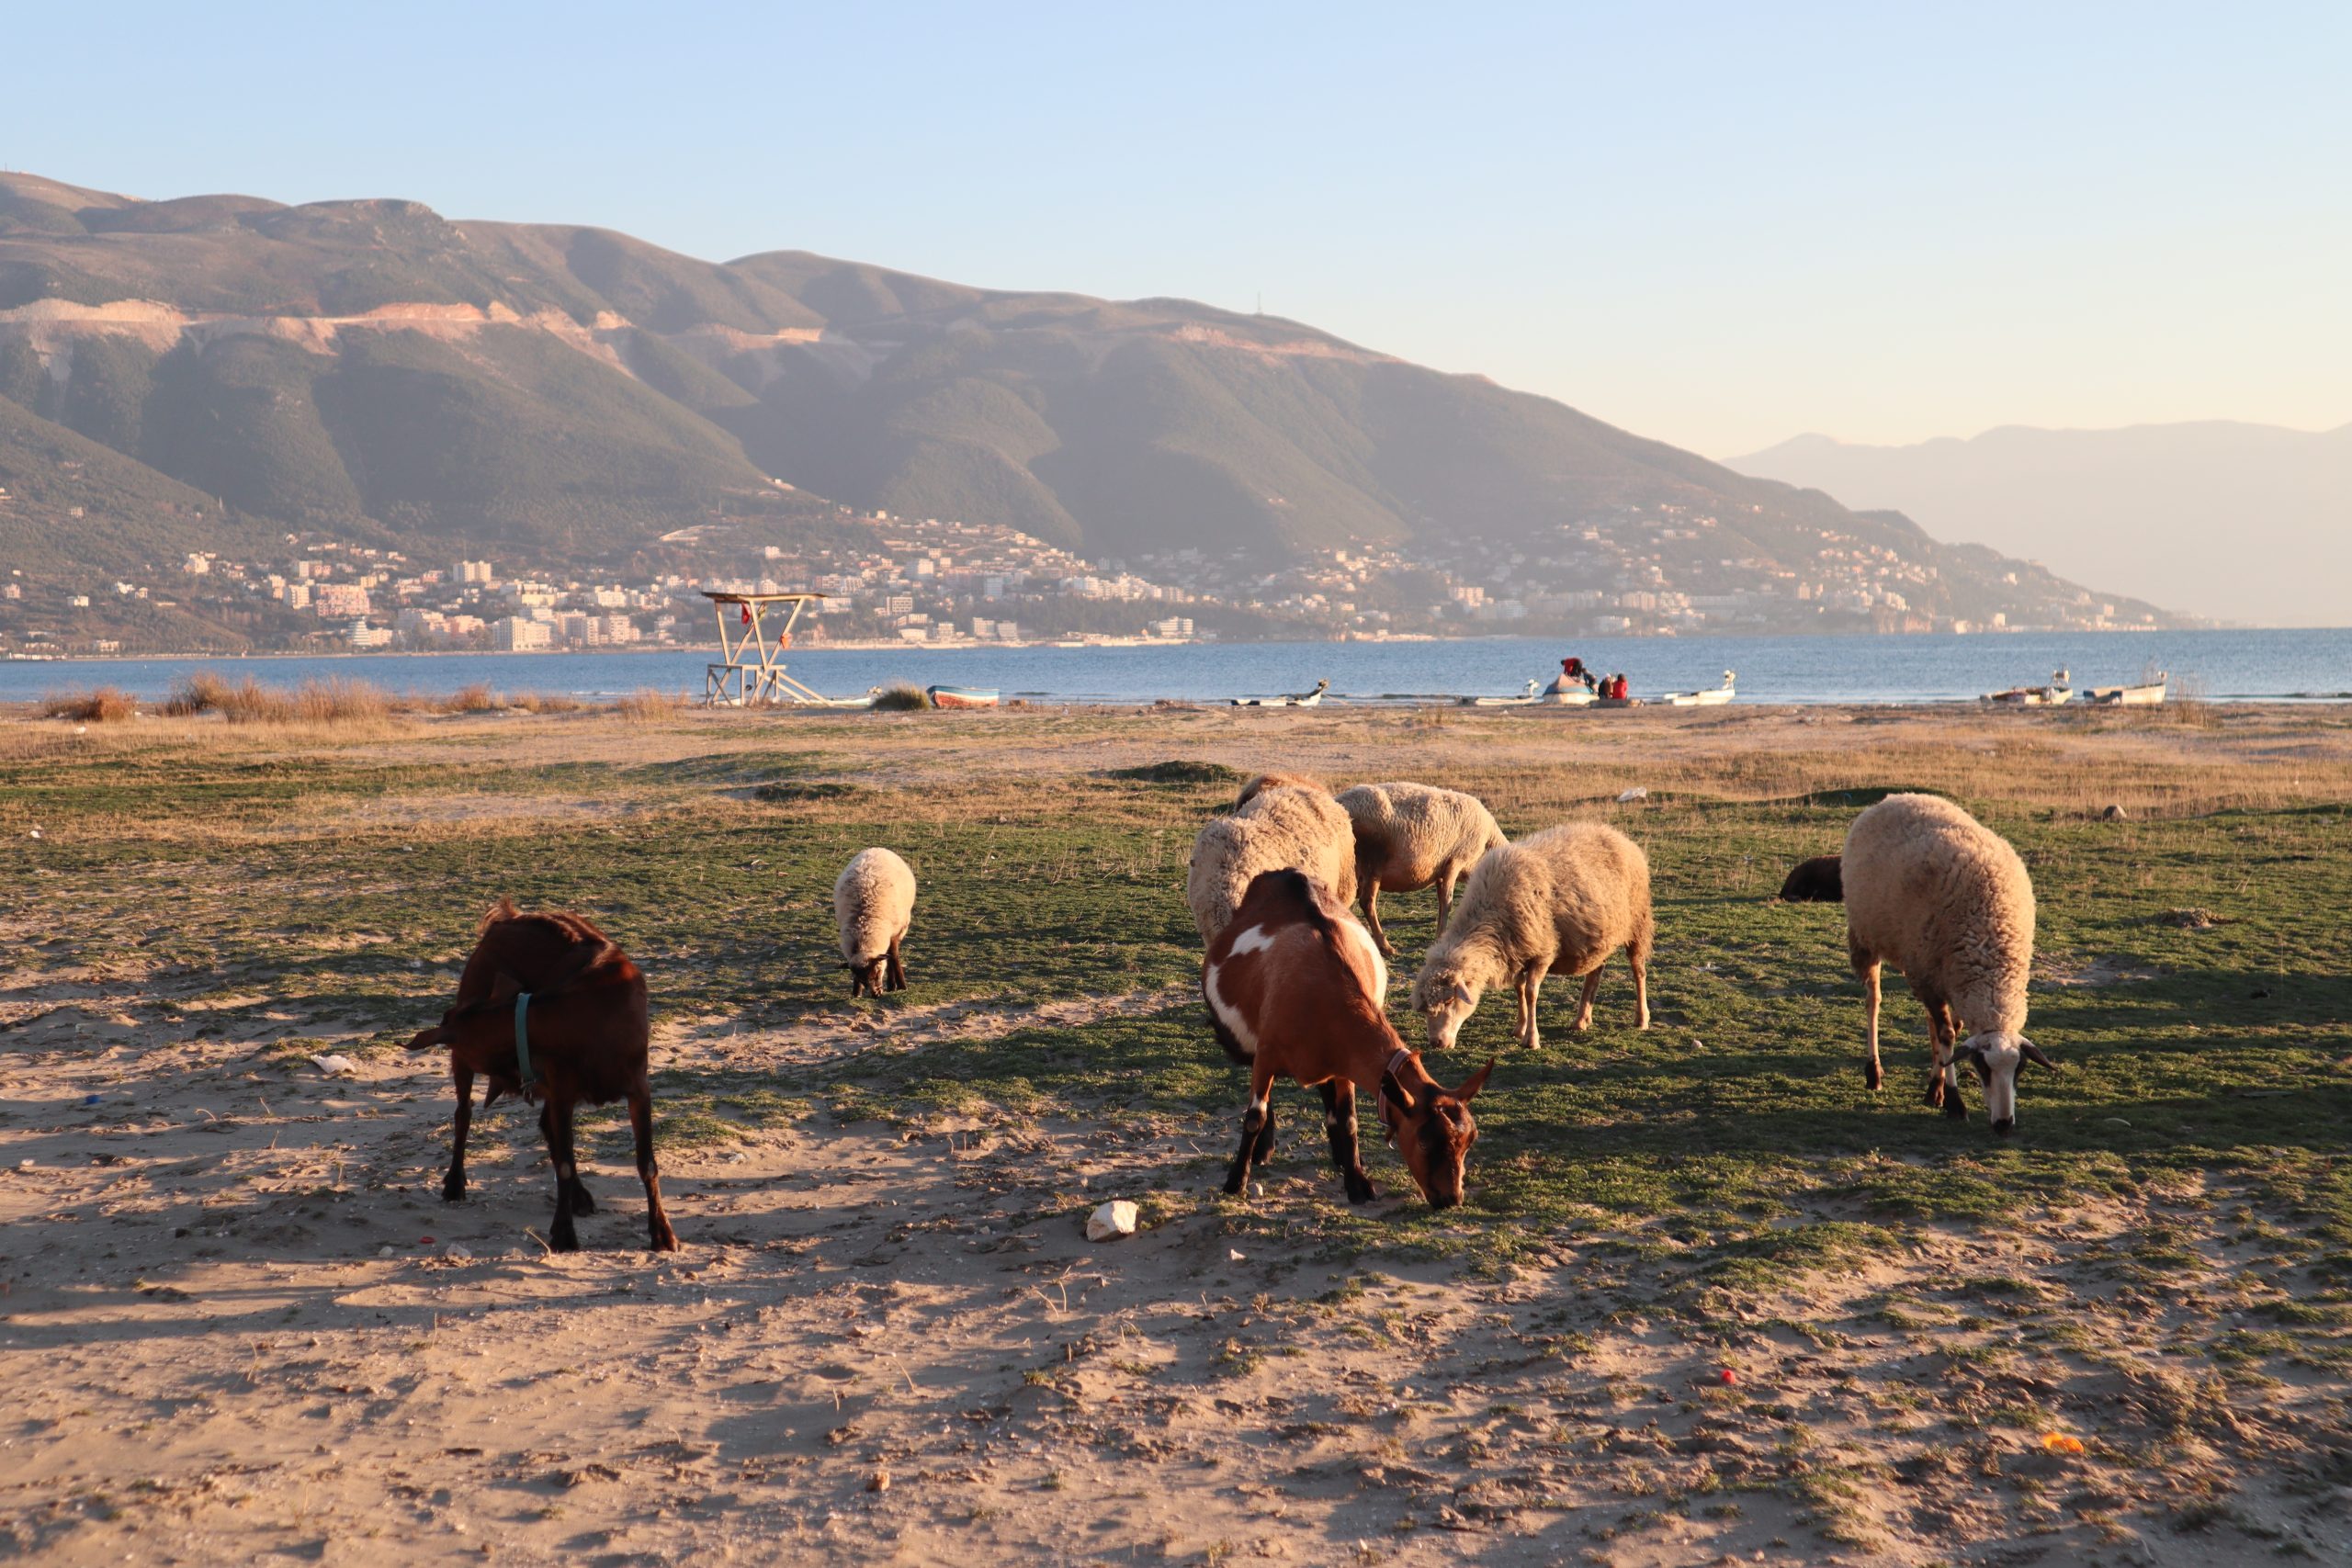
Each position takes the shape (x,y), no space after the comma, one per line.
(1820,879)
(1294,991)
(556,982)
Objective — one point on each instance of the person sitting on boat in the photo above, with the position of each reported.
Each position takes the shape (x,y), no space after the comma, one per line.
(1617,687)
(1572,674)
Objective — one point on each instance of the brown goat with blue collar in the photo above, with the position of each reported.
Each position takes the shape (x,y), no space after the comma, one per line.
(551,1010)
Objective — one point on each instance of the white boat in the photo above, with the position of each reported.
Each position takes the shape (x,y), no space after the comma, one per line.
(1304,700)
(2060,690)
(1716,697)
(2148,694)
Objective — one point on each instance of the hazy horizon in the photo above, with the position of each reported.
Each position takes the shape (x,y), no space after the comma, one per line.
(1714,226)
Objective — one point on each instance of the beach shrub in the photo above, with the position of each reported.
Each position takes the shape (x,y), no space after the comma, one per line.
(476,698)
(1180,772)
(203,692)
(900,699)
(106,704)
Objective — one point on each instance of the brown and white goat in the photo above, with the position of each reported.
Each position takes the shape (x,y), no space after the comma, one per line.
(553,986)
(1295,989)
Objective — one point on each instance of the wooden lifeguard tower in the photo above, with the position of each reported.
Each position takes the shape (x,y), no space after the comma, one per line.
(754,675)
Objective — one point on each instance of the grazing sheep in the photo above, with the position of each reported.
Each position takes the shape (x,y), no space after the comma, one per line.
(1945,900)
(557,1014)
(1815,881)
(1411,835)
(1282,821)
(1296,990)
(873,899)
(1565,898)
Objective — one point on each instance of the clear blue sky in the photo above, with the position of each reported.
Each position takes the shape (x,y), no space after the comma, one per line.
(1715,224)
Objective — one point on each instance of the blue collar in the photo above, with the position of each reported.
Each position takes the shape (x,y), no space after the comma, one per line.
(522,1038)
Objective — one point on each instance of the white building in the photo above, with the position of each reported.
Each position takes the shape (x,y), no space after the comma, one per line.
(515,635)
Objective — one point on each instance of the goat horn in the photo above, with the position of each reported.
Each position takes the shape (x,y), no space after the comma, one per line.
(2034,1054)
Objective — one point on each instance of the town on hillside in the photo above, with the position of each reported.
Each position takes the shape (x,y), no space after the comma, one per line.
(1656,572)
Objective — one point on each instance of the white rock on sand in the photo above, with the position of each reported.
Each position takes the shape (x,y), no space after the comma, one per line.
(1115,1218)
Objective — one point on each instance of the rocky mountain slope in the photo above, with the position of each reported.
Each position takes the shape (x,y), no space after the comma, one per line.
(571,392)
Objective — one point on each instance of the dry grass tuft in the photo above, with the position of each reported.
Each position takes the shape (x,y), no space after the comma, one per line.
(900,699)
(107,704)
(476,698)
(204,691)
(544,702)
(645,705)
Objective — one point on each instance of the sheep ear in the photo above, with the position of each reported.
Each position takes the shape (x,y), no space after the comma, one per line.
(2035,1054)
(1474,1082)
(1396,1093)
(1461,992)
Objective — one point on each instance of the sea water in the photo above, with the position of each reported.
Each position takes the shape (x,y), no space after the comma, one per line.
(2221,666)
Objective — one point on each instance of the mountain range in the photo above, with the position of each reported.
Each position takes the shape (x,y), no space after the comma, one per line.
(2250,522)
(187,373)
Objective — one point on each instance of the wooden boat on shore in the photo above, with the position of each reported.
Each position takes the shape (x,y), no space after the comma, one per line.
(1706,699)
(2148,694)
(961,697)
(2060,690)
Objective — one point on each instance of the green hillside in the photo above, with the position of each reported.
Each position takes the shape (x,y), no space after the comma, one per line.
(131,517)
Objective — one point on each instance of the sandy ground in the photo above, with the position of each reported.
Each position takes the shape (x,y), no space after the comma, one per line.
(241,1325)
(238,1324)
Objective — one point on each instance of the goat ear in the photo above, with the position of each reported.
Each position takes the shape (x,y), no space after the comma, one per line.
(2035,1054)
(1474,1082)
(428,1037)
(1396,1093)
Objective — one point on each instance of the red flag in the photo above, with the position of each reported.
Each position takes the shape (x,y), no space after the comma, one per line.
(746,614)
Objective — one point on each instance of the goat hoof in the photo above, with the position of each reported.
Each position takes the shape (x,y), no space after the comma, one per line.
(1873,1077)
(452,1192)
(581,1202)
(1955,1107)
(1234,1184)
(1360,1190)
(664,1238)
(1935,1095)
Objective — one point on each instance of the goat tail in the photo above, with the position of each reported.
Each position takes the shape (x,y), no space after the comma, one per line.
(504,909)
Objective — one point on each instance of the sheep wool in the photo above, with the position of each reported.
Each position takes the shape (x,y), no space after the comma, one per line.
(1411,835)
(874,900)
(1281,823)
(1565,898)
(1946,901)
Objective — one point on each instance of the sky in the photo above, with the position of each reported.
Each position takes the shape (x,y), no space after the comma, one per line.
(1718,225)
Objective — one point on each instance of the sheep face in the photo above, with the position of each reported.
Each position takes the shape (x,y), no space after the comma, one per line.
(865,975)
(1445,1002)
(1433,1131)
(1998,1059)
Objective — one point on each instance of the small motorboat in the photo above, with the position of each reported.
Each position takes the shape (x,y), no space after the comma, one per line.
(1722,694)
(961,697)
(1304,700)
(2060,690)
(1527,698)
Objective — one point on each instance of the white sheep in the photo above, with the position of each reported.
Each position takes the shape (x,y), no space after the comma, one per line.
(1565,898)
(1282,822)
(1945,900)
(1411,835)
(873,899)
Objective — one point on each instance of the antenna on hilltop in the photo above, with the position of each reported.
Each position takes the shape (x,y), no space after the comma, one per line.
(1262,302)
